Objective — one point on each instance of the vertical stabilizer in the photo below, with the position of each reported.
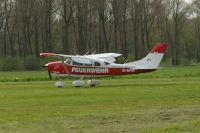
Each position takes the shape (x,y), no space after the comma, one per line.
(153,59)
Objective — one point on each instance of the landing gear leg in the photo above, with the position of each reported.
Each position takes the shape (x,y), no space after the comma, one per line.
(60,83)
(92,83)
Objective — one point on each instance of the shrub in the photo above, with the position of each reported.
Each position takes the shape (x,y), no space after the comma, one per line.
(31,63)
(11,63)
(1,64)
(122,60)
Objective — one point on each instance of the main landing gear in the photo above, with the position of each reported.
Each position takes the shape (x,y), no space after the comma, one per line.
(93,82)
(78,83)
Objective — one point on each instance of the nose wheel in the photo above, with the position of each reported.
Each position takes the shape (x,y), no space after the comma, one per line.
(60,84)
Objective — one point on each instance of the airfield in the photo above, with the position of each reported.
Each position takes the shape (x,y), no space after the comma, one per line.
(167,100)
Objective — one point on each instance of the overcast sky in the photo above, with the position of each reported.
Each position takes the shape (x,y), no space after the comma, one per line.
(189,1)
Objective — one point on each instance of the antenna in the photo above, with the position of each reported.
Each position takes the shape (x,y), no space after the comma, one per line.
(87,53)
(93,52)
(126,61)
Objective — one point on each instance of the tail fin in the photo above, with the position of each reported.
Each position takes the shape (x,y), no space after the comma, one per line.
(153,59)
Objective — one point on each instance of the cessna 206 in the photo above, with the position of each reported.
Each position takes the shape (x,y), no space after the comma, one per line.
(101,65)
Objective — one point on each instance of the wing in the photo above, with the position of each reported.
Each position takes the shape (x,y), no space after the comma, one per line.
(76,58)
(56,55)
(110,57)
(104,55)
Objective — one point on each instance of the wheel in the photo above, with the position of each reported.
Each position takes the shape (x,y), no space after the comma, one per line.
(78,83)
(93,83)
(60,84)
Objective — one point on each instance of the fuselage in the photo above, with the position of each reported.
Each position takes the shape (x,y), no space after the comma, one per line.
(102,65)
(57,67)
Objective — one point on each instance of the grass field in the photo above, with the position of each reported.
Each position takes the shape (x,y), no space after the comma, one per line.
(164,101)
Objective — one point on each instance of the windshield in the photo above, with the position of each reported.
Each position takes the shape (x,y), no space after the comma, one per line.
(68,61)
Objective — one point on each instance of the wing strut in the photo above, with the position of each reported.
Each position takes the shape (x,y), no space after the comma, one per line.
(65,67)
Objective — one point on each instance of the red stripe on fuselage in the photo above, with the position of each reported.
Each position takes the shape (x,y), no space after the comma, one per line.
(58,68)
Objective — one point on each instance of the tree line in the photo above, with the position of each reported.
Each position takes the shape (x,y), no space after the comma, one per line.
(129,27)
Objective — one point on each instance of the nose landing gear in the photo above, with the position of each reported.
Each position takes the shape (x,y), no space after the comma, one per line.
(60,84)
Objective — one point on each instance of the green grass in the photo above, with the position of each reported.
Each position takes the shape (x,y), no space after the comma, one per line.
(164,72)
(165,101)
(23,76)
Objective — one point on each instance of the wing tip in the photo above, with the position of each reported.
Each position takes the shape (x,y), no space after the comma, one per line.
(47,54)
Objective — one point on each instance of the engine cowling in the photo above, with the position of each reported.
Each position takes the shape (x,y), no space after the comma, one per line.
(93,82)
(78,83)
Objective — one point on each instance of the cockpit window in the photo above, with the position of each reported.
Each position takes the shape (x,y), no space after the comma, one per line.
(97,64)
(106,63)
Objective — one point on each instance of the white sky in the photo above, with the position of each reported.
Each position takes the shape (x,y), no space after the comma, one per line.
(188,1)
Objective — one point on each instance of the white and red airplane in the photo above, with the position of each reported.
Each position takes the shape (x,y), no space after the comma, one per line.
(102,65)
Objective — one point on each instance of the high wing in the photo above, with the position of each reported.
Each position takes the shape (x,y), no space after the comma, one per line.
(110,57)
(104,55)
(56,55)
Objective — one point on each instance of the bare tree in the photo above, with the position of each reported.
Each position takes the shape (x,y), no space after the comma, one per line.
(76,26)
(48,11)
(134,18)
(115,8)
(66,14)
(196,5)
(178,11)
(104,16)
(80,25)
(122,21)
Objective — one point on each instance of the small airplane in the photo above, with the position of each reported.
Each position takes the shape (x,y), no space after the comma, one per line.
(101,65)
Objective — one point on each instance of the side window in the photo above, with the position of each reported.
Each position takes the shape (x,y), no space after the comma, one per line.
(77,63)
(88,64)
(97,64)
